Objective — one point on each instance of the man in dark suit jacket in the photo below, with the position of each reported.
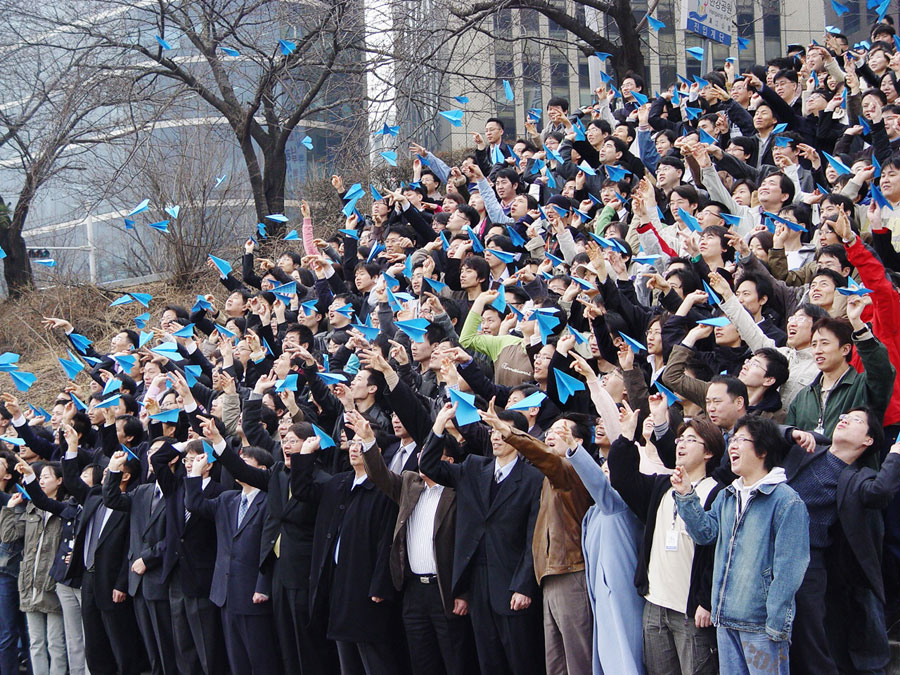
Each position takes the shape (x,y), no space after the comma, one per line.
(497,504)
(188,561)
(350,577)
(100,559)
(286,544)
(855,631)
(239,588)
(421,560)
(146,583)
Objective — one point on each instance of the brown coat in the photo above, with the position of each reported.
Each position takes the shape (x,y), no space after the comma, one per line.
(556,546)
(405,490)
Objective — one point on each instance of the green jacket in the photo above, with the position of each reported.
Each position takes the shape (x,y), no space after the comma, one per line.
(872,387)
(490,345)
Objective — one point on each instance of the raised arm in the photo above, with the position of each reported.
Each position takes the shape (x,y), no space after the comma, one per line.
(113,497)
(598,486)
(430,462)
(385,480)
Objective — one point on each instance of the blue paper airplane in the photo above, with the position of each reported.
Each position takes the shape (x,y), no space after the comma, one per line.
(289,383)
(466,412)
(22,380)
(167,416)
(532,401)
(325,441)
(566,385)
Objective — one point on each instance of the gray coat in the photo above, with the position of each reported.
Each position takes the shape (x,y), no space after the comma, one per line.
(41,533)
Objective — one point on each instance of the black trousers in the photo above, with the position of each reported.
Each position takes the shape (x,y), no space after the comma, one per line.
(507,644)
(198,633)
(251,644)
(366,658)
(111,643)
(154,620)
(810,654)
(304,648)
(436,642)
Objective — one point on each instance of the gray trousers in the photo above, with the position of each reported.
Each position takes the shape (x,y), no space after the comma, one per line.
(568,624)
(673,644)
(48,643)
(70,600)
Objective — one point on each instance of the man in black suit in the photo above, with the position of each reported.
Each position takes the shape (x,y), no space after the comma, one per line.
(188,561)
(287,541)
(146,583)
(854,635)
(350,580)
(421,560)
(100,558)
(239,588)
(497,504)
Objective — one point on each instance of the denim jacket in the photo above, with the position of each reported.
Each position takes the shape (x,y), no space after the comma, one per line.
(761,555)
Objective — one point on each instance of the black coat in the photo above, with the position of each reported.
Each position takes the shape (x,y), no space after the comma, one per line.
(190,547)
(111,558)
(861,494)
(504,526)
(363,520)
(146,540)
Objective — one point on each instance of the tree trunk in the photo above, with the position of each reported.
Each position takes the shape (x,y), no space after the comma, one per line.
(630,55)
(274,179)
(16,265)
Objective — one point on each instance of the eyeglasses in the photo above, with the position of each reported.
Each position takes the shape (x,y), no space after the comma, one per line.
(689,440)
(755,364)
(737,440)
(845,417)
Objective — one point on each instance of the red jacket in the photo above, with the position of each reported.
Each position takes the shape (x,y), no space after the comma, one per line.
(884,313)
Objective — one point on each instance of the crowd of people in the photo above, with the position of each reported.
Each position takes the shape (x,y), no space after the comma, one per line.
(612,397)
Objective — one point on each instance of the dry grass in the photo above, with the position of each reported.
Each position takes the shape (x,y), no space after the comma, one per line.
(87,307)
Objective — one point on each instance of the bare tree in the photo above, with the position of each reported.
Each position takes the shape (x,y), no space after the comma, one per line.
(627,51)
(56,112)
(264,66)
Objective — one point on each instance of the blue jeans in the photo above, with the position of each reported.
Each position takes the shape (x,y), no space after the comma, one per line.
(743,653)
(11,625)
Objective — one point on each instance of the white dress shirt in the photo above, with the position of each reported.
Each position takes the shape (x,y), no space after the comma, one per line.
(420,532)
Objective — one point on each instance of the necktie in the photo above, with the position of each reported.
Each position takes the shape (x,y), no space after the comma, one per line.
(94,537)
(495,485)
(242,510)
(157,495)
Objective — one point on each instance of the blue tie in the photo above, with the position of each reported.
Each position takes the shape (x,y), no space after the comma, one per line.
(242,510)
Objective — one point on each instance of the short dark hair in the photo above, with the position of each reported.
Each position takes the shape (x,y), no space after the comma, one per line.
(712,437)
(510,174)
(767,439)
(733,386)
(688,192)
(518,420)
(471,213)
(776,365)
(762,284)
(559,101)
(836,251)
(840,328)
(838,280)
(874,431)
(131,426)
(481,269)
(497,121)
(259,455)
